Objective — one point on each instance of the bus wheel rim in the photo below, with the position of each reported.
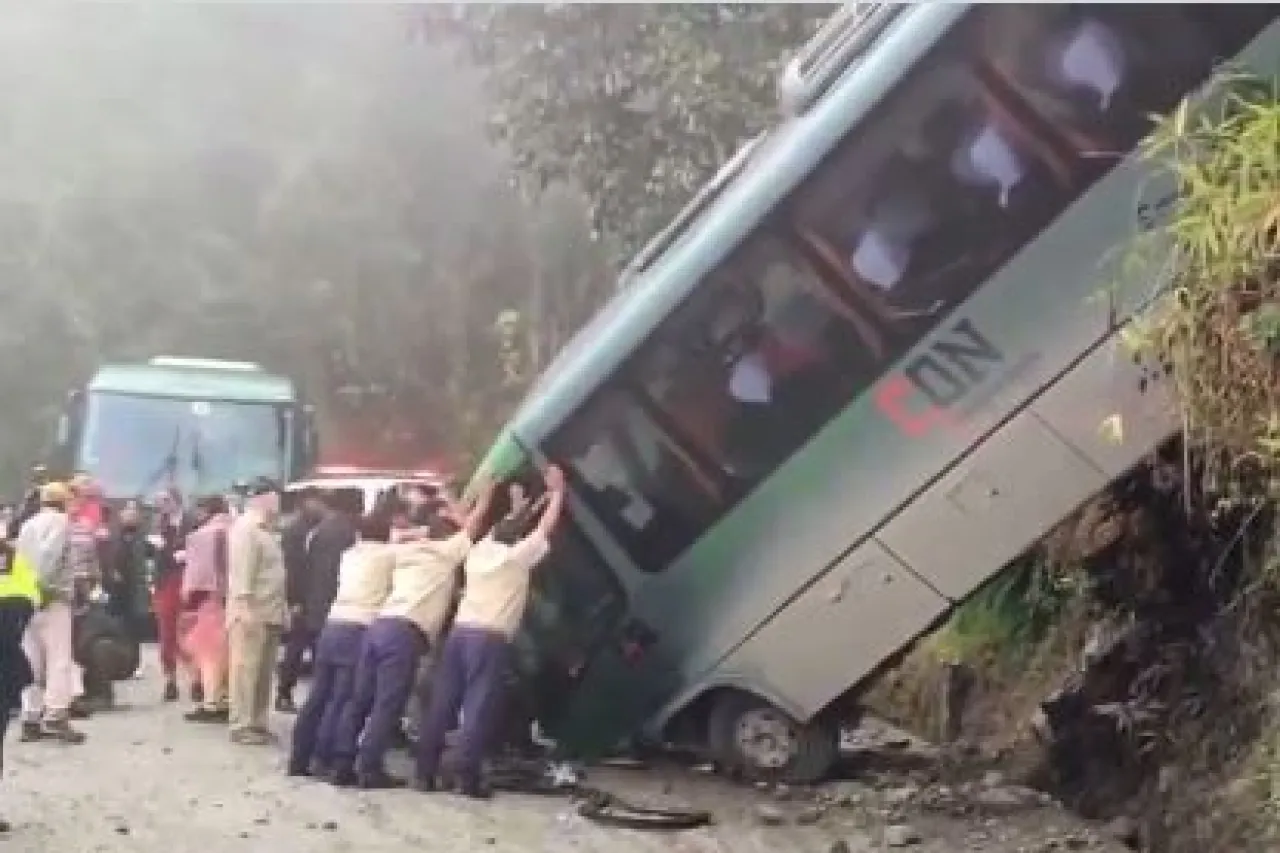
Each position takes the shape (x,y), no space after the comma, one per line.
(766,738)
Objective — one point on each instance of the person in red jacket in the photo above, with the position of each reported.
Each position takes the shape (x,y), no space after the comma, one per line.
(169,539)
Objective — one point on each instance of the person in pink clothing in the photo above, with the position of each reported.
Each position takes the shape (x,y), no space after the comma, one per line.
(204,595)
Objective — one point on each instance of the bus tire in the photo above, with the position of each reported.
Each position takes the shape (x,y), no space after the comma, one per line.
(762,743)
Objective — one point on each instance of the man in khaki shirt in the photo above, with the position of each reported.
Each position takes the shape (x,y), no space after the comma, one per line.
(256,612)
(422,587)
(470,675)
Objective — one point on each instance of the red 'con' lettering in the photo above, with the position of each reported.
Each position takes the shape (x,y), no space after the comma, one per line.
(892,397)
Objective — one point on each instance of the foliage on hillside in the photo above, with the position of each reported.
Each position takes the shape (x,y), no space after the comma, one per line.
(1221,331)
(638,104)
(1221,253)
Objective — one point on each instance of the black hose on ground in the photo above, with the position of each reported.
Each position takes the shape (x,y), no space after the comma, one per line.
(596,805)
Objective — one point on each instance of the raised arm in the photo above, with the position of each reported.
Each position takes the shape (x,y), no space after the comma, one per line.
(479,510)
(554,478)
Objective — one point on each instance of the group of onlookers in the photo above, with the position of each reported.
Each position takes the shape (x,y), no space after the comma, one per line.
(63,545)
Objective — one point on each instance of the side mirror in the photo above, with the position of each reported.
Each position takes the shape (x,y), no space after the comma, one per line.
(75,405)
(69,420)
(310,433)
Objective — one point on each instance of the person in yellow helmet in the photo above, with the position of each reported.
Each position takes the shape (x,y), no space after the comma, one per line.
(19,598)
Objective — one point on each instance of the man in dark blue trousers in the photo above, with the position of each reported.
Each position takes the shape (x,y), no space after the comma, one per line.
(470,676)
(364,581)
(422,593)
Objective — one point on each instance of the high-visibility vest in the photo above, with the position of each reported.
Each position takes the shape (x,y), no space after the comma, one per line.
(20,581)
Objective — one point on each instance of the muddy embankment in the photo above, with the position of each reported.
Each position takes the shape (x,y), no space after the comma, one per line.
(1150,701)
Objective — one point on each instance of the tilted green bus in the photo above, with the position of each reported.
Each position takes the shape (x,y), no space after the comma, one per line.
(200,425)
(865,369)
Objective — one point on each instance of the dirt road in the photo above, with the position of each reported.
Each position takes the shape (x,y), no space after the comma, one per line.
(147,782)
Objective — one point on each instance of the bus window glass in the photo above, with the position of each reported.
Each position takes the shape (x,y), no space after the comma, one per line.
(937,189)
(652,496)
(758,361)
(1231,25)
(1098,72)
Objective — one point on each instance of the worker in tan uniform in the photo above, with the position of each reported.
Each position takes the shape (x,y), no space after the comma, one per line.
(412,619)
(256,612)
(364,582)
(470,676)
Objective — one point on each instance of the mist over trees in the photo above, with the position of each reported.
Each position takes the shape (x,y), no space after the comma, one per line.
(408,209)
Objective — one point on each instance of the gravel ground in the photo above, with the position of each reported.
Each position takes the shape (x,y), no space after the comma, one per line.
(146,782)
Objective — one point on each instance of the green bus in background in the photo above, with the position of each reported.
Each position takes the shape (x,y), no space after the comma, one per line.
(860,373)
(198,425)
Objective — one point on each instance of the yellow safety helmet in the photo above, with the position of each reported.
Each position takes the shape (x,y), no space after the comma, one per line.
(54,493)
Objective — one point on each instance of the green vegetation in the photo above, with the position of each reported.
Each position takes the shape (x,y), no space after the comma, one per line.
(1221,327)
(1006,620)
(637,104)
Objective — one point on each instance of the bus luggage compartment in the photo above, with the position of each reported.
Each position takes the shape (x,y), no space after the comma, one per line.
(991,506)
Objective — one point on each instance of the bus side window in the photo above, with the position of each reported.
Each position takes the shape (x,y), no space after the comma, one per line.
(645,489)
(1231,25)
(1097,72)
(764,357)
(931,194)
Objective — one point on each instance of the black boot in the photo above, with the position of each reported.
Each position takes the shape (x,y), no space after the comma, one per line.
(170,691)
(197,694)
(284,703)
(31,732)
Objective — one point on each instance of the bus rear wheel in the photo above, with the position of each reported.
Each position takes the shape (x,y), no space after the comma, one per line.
(764,744)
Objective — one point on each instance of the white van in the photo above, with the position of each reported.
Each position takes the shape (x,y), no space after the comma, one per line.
(360,488)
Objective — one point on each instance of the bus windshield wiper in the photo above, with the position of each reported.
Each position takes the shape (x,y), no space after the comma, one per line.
(197,459)
(170,464)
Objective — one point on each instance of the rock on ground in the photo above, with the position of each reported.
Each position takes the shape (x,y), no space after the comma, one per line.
(148,782)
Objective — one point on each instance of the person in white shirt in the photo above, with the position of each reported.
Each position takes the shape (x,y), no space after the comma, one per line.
(423,583)
(470,676)
(47,641)
(364,581)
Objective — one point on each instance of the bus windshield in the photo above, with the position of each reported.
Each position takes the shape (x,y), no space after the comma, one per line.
(134,445)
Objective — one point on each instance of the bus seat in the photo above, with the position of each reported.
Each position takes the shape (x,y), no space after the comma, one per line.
(996,90)
(862,291)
